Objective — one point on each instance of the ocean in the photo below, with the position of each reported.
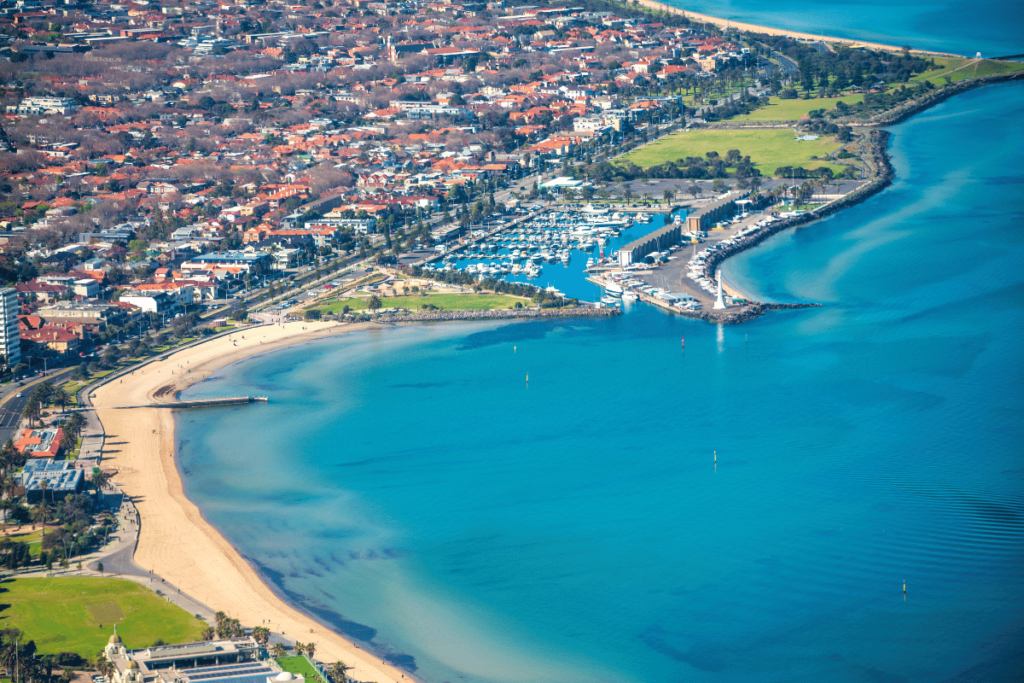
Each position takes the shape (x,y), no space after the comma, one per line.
(746,505)
(995,27)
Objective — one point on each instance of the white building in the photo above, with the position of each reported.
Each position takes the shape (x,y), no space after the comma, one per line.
(44,105)
(10,338)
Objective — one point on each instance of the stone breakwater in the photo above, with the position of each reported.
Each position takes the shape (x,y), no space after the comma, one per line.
(503,314)
(732,316)
(877,158)
(904,112)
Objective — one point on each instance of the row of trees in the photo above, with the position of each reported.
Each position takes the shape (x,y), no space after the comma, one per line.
(19,655)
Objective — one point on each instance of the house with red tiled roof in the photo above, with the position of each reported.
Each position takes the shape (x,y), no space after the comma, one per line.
(40,443)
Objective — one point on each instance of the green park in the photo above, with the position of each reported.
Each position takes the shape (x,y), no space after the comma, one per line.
(73,614)
(779,109)
(768,149)
(448,302)
(953,69)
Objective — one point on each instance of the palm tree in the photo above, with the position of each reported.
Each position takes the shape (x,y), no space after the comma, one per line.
(310,650)
(9,457)
(374,303)
(208,633)
(59,396)
(299,648)
(278,650)
(99,480)
(338,670)
(68,441)
(261,634)
(32,410)
(74,424)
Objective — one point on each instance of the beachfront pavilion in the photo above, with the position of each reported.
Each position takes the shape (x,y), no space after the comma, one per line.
(232,660)
(61,476)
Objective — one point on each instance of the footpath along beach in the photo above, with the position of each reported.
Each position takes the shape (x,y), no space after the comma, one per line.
(175,542)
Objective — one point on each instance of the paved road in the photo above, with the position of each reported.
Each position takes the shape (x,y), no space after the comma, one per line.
(11,404)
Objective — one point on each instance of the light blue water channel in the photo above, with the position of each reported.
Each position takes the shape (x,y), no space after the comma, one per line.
(408,486)
(993,27)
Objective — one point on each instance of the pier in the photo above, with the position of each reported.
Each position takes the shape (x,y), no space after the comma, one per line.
(208,402)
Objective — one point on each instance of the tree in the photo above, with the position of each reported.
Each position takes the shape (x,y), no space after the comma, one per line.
(99,480)
(338,670)
(669,196)
(261,634)
(310,650)
(300,648)
(278,650)
(374,303)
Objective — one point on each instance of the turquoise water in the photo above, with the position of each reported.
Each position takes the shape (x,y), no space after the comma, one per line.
(408,487)
(994,27)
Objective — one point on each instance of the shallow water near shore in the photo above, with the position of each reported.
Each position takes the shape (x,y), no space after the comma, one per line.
(992,27)
(408,485)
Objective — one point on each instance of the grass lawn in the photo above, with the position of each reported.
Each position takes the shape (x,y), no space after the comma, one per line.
(959,68)
(793,110)
(449,302)
(33,538)
(768,149)
(78,614)
(299,665)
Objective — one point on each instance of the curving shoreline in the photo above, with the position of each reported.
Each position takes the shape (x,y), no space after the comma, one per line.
(174,533)
(768,30)
(175,541)
(877,157)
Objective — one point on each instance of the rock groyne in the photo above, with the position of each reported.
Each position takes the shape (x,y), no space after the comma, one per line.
(905,111)
(503,314)
(876,156)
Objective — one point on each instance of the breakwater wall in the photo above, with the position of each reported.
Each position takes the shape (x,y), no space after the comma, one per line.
(877,157)
(732,316)
(904,112)
(504,314)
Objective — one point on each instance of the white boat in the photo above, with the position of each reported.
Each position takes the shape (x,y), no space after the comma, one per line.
(590,263)
(609,300)
(613,289)
(629,296)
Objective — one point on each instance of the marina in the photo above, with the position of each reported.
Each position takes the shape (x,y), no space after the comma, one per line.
(662,259)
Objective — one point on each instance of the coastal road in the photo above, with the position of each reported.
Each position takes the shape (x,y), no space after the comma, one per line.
(11,404)
(788,66)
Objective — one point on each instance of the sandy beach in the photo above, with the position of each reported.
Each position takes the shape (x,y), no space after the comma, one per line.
(722,23)
(175,541)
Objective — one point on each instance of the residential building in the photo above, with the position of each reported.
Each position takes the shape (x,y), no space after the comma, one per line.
(44,105)
(10,338)
(40,443)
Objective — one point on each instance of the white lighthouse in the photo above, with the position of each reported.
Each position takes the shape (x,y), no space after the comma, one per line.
(720,302)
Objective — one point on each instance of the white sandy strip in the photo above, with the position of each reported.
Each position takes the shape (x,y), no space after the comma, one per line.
(735,292)
(175,541)
(754,28)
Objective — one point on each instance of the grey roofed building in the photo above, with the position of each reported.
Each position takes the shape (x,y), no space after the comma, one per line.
(61,476)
